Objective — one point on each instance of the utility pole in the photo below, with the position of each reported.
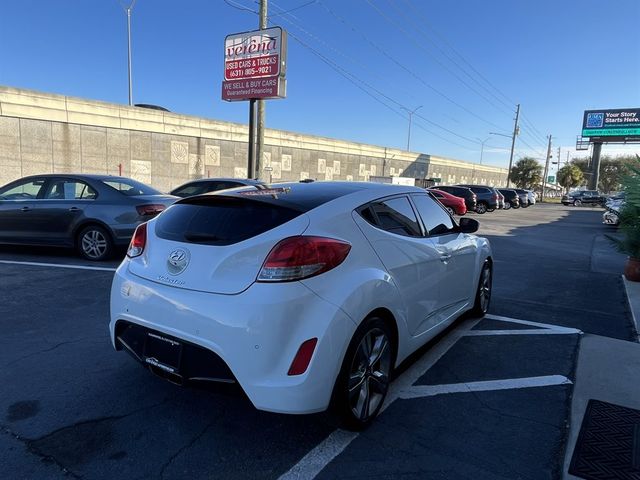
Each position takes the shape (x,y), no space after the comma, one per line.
(546,169)
(261,106)
(513,144)
(410,112)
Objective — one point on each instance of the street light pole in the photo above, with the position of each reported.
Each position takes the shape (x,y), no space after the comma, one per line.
(410,112)
(128,11)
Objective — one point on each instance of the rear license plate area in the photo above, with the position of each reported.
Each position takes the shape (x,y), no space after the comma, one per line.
(162,352)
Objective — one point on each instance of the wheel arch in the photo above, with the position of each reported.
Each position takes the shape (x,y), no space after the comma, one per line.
(87,223)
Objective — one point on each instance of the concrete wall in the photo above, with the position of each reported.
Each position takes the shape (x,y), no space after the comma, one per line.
(45,133)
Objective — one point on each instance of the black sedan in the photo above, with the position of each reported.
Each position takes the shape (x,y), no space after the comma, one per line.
(206,185)
(93,213)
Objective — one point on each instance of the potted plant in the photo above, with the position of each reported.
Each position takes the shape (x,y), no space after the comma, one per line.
(629,243)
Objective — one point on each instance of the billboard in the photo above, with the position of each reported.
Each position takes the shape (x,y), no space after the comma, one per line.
(622,124)
(255,65)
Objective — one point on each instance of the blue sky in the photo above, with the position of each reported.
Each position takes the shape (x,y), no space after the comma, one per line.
(466,62)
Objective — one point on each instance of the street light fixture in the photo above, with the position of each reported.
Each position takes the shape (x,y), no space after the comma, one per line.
(410,112)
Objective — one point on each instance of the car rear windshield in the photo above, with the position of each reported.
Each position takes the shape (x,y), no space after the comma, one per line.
(129,187)
(220,220)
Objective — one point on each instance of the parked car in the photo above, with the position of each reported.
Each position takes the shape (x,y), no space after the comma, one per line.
(454,205)
(487,198)
(584,197)
(206,185)
(611,216)
(307,295)
(463,192)
(93,213)
(501,201)
(525,197)
(511,198)
(533,197)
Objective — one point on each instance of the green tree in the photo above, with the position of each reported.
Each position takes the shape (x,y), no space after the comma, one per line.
(612,171)
(526,173)
(570,176)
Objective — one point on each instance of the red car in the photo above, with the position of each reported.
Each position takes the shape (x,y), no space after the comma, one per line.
(454,204)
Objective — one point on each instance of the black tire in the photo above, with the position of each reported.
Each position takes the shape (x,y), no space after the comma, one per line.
(515,205)
(94,243)
(507,205)
(355,403)
(481,208)
(491,210)
(577,203)
(451,211)
(483,292)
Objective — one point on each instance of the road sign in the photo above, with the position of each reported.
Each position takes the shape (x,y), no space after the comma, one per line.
(551,179)
(255,65)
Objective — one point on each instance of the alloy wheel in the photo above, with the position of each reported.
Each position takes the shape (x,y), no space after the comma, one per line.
(368,379)
(484,289)
(94,244)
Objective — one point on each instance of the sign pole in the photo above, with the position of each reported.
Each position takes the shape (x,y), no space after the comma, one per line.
(261,104)
(595,166)
(252,139)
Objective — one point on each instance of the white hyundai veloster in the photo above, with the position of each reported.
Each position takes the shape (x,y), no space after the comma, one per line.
(307,295)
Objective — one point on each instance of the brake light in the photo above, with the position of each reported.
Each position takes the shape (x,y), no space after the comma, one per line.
(138,241)
(295,258)
(303,357)
(150,209)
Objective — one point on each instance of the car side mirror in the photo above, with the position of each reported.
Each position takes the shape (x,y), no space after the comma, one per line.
(469,225)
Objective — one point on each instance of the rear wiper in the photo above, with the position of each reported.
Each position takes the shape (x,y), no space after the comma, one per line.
(199,237)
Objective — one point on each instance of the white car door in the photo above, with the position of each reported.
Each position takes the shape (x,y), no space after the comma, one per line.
(457,251)
(392,228)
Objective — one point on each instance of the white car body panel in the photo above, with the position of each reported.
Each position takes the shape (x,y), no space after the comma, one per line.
(256,328)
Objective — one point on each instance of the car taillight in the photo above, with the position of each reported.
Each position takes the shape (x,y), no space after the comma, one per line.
(150,209)
(138,241)
(495,196)
(295,258)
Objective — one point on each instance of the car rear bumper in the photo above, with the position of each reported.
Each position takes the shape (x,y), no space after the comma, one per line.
(255,335)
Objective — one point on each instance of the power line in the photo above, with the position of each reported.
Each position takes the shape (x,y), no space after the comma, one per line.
(402,66)
(355,79)
(420,46)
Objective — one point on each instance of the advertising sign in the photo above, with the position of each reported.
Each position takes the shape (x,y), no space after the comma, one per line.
(621,124)
(255,65)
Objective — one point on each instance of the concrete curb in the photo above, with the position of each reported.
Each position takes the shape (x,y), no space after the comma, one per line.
(632,289)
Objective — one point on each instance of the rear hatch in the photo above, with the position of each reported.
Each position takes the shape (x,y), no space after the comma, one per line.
(214,243)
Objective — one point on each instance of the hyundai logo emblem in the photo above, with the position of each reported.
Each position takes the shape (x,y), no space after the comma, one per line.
(178,261)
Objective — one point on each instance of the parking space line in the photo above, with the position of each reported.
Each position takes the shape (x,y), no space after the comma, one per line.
(319,457)
(58,265)
(536,331)
(420,391)
(533,324)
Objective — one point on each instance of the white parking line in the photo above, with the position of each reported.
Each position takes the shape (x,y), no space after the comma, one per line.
(419,391)
(319,457)
(532,324)
(58,265)
(536,331)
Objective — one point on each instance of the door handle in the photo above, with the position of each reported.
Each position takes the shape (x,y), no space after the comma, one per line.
(25,209)
(74,209)
(445,256)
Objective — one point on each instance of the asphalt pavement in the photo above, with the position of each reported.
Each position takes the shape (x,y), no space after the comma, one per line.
(490,398)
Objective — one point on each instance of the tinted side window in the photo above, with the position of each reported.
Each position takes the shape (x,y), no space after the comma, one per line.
(24,190)
(436,220)
(394,216)
(69,190)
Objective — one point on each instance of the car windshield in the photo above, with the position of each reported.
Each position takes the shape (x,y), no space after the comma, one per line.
(130,188)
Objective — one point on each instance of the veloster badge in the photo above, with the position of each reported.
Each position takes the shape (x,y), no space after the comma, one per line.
(178,261)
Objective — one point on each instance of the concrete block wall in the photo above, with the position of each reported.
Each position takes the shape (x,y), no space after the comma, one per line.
(46,133)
